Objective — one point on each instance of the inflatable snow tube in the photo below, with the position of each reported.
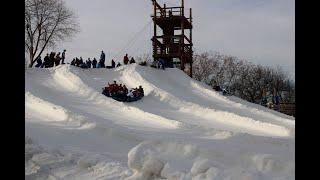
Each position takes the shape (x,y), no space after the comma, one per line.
(121,98)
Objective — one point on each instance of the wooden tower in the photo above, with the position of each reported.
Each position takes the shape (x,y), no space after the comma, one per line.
(173,45)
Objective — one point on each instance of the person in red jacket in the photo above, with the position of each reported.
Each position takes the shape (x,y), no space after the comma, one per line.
(125,59)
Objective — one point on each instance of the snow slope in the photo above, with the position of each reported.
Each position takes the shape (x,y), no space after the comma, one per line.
(181,129)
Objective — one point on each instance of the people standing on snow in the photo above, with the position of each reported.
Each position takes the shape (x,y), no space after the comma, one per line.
(77,62)
(132,61)
(161,63)
(46,61)
(88,63)
(125,59)
(39,62)
(57,59)
(52,59)
(80,61)
(63,56)
(102,60)
(94,63)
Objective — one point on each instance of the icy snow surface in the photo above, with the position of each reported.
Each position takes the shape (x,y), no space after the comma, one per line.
(180,130)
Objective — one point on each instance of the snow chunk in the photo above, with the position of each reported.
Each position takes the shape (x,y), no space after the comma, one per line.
(170,160)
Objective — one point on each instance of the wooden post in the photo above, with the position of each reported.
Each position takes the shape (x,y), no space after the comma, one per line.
(182,38)
(191,47)
(182,6)
(154,29)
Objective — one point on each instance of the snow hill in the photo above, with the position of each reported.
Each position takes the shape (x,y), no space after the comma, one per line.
(180,130)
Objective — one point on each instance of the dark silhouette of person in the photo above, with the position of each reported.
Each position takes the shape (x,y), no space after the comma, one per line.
(57,59)
(88,63)
(94,63)
(102,60)
(132,61)
(46,61)
(52,58)
(113,64)
(39,62)
(63,56)
(125,59)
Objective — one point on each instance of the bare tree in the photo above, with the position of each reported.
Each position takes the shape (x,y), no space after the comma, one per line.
(203,66)
(46,23)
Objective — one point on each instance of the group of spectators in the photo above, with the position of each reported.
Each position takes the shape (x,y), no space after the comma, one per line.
(101,64)
(51,60)
(55,59)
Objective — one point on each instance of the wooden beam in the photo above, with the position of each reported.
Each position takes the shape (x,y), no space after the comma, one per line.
(156,4)
(154,27)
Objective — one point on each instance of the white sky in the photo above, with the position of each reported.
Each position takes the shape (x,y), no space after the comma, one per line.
(262,31)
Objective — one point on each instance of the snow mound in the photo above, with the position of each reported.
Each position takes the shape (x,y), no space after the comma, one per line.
(168,160)
(55,114)
(180,161)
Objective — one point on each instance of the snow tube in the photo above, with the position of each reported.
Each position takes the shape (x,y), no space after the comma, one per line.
(121,98)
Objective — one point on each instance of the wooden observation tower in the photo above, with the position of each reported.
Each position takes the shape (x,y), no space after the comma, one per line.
(173,46)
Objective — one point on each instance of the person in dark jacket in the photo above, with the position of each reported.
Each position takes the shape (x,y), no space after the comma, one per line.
(80,61)
(63,56)
(57,59)
(161,63)
(52,59)
(125,59)
(118,65)
(103,56)
(132,61)
(46,61)
(94,63)
(39,62)
(89,63)
(102,60)
(73,62)
(77,63)
(113,64)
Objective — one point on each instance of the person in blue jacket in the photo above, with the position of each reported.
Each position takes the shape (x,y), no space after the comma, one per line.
(161,63)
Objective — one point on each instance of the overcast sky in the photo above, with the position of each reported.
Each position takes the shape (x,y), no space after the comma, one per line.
(262,31)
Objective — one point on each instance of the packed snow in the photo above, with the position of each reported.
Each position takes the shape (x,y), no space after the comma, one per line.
(180,130)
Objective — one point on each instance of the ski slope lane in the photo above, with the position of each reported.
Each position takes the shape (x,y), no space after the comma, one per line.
(226,136)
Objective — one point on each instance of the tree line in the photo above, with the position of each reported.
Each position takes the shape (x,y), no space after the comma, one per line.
(243,79)
(47,22)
